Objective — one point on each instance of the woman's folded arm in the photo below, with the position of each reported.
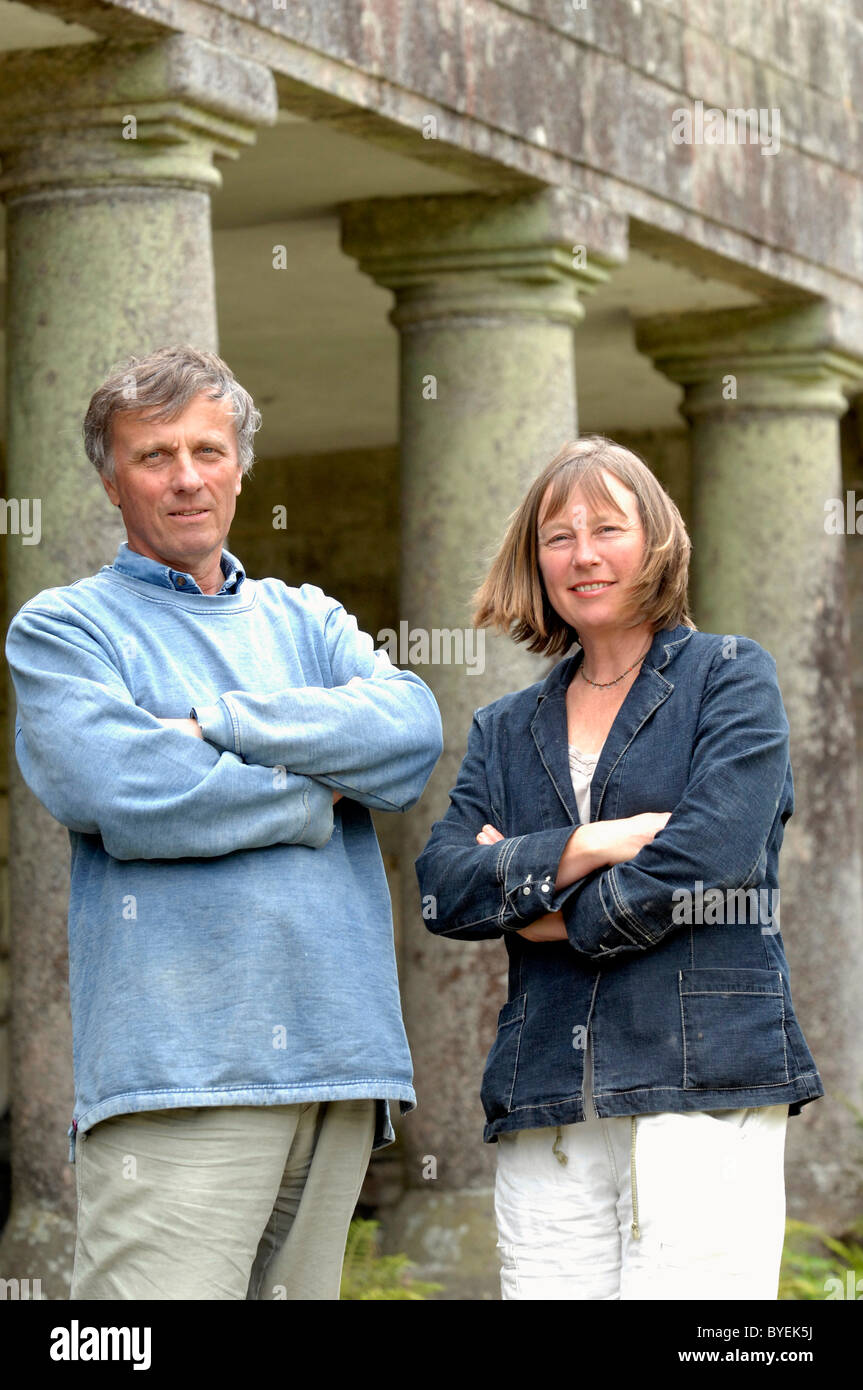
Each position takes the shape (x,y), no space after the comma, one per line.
(479,891)
(740,784)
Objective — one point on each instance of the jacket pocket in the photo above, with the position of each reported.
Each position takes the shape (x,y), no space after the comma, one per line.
(733,1025)
(498,1081)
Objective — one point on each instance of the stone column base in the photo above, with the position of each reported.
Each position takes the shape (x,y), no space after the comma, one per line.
(450,1238)
(37,1251)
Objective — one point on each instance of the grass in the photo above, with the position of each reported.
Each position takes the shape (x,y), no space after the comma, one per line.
(816,1265)
(369,1276)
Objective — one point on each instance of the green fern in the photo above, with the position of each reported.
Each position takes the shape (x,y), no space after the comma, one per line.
(806,1267)
(812,1256)
(368,1276)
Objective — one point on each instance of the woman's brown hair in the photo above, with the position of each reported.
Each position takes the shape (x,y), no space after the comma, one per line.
(513,598)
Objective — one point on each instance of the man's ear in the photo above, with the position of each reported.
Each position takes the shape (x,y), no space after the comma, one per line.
(111,489)
(239,480)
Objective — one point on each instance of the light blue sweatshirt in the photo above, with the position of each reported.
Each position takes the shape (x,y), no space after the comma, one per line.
(230,930)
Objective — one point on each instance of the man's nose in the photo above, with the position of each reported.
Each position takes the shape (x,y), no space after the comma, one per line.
(184,474)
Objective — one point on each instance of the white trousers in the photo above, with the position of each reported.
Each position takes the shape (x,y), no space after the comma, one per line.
(709,1199)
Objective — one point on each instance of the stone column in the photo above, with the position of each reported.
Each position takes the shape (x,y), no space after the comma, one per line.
(486,292)
(852,481)
(763,393)
(107,167)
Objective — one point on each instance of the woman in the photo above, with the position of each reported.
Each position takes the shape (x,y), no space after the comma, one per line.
(619,825)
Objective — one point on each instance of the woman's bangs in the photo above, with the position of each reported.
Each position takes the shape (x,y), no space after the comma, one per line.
(586,474)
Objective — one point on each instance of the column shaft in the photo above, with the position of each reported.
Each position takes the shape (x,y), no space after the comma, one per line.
(108,254)
(486,301)
(763,395)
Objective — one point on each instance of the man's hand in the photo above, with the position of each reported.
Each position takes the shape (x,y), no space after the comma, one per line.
(185,726)
(191,726)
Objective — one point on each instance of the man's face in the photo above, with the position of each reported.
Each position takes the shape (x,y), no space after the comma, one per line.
(166,470)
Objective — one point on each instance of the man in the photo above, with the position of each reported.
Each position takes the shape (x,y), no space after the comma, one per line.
(213,744)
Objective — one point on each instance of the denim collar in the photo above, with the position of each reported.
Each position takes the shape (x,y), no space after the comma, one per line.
(663,647)
(647,692)
(128,561)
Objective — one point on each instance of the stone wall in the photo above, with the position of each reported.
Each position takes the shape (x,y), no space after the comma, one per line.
(597,111)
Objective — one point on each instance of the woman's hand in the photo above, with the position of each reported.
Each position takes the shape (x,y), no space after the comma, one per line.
(608,842)
(615,841)
(592,846)
(600,843)
(550,926)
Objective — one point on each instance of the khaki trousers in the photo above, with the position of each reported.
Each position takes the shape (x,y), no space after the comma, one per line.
(219,1202)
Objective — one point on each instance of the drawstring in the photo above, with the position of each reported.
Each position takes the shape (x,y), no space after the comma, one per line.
(558,1153)
(636,1234)
(562,1158)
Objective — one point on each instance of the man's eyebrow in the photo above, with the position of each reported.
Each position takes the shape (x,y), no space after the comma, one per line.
(214,438)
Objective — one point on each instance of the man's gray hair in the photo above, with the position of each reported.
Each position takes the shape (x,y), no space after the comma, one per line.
(164,382)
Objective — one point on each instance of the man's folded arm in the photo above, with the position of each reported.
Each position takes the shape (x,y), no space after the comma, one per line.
(375,736)
(716,837)
(102,765)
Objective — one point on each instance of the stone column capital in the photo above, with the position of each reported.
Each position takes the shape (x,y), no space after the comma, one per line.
(127,113)
(782,357)
(485,255)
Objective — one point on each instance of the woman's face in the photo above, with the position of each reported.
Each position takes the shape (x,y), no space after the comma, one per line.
(578,547)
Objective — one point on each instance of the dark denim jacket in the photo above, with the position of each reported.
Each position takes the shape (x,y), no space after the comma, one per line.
(686,995)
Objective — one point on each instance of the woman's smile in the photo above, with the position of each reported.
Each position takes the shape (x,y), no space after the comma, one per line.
(587,588)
